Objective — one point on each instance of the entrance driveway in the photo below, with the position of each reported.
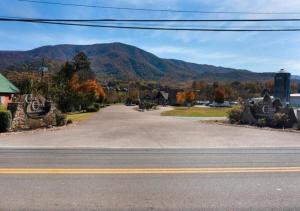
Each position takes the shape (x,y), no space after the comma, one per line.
(119,126)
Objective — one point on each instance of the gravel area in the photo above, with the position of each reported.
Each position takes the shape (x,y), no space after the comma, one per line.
(119,126)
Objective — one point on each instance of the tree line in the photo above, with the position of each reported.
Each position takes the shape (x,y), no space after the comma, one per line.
(73,87)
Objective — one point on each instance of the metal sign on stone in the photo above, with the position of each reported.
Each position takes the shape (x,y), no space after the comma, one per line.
(36,106)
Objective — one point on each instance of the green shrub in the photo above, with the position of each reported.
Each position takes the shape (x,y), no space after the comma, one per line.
(262,122)
(235,115)
(61,119)
(91,109)
(5,121)
(69,121)
(97,106)
(280,120)
(142,106)
(147,105)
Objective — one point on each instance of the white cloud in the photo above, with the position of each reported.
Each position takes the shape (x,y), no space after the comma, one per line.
(190,54)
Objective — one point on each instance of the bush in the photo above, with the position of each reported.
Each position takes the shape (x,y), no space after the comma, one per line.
(262,122)
(5,120)
(235,115)
(93,108)
(97,106)
(61,119)
(69,121)
(142,106)
(147,105)
(280,120)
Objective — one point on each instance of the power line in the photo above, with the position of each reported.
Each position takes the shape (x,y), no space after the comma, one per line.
(149,23)
(159,10)
(150,28)
(166,20)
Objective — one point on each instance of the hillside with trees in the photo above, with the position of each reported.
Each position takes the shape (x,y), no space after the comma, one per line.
(123,62)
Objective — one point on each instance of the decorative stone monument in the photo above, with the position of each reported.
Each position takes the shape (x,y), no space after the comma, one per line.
(271,111)
(33,111)
(266,110)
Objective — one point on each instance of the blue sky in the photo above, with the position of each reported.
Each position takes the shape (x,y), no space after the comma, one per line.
(256,51)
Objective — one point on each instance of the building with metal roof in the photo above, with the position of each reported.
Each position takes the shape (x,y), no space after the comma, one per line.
(7,90)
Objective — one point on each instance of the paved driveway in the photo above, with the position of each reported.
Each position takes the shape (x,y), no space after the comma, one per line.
(119,126)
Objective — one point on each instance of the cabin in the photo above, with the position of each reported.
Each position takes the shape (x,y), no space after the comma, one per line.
(162,98)
(7,90)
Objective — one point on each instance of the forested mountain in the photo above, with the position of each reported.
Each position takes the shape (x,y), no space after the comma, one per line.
(124,62)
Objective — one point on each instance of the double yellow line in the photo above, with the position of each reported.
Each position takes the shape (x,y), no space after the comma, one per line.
(149,170)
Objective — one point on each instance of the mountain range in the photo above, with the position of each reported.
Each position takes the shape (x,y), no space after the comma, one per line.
(124,62)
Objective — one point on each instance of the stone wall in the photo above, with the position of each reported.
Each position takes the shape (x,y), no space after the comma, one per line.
(50,118)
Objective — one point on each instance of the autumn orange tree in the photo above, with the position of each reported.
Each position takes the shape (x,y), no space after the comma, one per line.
(88,91)
(185,97)
(219,95)
(180,98)
(91,90)
(77,89)
(190,97)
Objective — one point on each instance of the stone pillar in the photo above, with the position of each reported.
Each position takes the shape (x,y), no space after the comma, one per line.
(50,118)
(19,118)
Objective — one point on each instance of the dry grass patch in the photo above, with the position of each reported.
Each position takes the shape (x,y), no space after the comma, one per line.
(78,117)
(197,112)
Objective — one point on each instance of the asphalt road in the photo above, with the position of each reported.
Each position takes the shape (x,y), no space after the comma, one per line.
(120,126)
(150,179)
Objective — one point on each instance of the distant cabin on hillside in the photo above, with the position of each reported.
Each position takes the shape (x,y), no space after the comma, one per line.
(167,97)
(7,90)
(162,98)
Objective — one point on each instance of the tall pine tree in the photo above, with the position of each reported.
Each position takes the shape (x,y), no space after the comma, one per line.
(82,67)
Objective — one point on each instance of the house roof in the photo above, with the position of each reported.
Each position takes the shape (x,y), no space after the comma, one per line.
(6,86)
(165,95)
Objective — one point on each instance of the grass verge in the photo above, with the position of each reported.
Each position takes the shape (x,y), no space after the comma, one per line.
(197,112)
(78,117)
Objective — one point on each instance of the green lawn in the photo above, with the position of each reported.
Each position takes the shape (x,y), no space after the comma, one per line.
(77,117)
(197,112)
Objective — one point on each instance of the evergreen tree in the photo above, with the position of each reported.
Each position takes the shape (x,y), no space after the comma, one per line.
(65,73)
(82,67)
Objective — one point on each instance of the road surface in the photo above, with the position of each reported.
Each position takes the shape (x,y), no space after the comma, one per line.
(150,179)
(119,126)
